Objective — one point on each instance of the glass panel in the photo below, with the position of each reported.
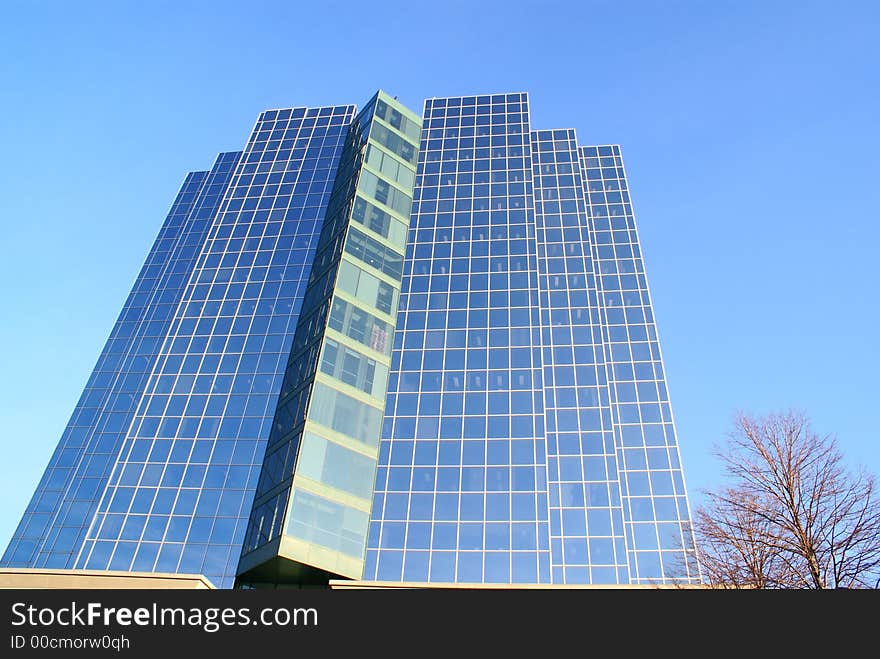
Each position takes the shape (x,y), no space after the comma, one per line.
(335,465)
(360,326)
(327,523)
(345,415)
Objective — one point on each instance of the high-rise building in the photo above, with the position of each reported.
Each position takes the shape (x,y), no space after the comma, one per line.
(383,347)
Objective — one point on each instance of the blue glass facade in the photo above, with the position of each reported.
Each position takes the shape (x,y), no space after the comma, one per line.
(658,533)
(180,494)
(461,489)
(52,529)
(586,527)
(528,436)
(481,279)
(164,477)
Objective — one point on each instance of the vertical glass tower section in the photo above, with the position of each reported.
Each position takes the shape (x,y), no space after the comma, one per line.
(528,436)
(587,538)
(312,504)
(461,490)
(657,526)
(53,527)
(157,469)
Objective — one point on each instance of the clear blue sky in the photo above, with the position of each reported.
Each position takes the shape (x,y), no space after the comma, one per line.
(749,130)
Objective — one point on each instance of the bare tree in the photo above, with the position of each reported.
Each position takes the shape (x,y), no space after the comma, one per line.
(792,515)
(731,540)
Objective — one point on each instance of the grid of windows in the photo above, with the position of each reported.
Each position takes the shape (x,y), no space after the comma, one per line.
(482,280)
(322,453)
(586,524)
(276,479)
(181,489)
(527,433)
(461,487)
(54,525)
(655,506)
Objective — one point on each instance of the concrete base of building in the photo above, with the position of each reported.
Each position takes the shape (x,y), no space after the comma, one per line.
(93,579)
(342,584)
